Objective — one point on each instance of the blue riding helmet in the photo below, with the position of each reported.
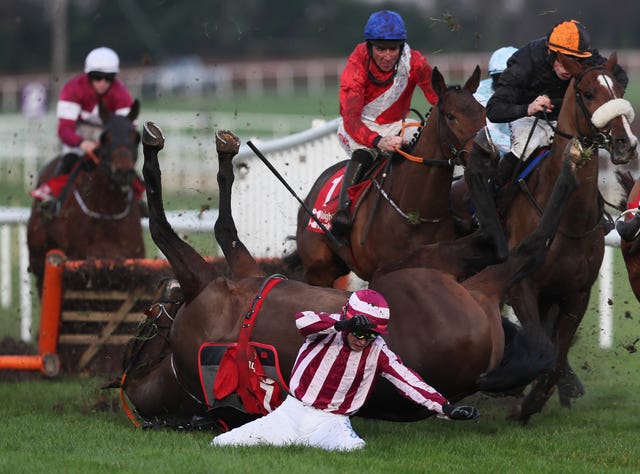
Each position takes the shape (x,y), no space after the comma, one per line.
(385,25)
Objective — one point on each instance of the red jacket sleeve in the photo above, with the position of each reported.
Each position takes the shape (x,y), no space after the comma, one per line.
(352,96)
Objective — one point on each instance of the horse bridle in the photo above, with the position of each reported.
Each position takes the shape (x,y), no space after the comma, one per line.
(597,138)
(448,149)
(456,152)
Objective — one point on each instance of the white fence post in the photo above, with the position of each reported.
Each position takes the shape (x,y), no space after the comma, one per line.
(606,293)
(5,265)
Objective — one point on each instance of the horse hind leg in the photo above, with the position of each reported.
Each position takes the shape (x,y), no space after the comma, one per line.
(191,270)
(240,261)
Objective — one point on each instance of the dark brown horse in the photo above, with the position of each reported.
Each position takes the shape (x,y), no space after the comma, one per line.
(556,296)
(451,333)
(99,215)
(410,202)
(630,250)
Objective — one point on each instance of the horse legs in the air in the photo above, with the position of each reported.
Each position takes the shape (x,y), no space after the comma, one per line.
(191,270)
(241,262)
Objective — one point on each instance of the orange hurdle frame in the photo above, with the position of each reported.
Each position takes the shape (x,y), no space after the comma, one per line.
(47,360)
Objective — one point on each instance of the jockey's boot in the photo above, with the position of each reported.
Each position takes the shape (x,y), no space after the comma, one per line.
(341,221)
(66,164)
(506,168)
(43,192)
(629,230)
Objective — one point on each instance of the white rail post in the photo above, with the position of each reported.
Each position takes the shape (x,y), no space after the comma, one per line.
(26,304)
(5,266)
(606,293)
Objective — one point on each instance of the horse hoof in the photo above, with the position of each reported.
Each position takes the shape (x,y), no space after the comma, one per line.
(152,135)
(227,142)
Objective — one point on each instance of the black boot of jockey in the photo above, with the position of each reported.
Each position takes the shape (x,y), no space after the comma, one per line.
(359,163)
(506,167)
(66,164)
(630,229)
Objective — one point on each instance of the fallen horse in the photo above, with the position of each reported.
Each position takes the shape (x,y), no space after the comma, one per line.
(451,333)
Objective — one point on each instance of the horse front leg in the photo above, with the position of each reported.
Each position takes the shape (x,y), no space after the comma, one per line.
(569,385)
(476,176)
(240,260)
(191,270)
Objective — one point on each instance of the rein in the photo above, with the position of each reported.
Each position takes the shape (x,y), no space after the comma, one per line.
(456,153)
(412,218)
(147,330)
(97,215)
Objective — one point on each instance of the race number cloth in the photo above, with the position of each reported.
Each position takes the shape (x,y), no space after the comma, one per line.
(326,203)
(217,363)
(249,369)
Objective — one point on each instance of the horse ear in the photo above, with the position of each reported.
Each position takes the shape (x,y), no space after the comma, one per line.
(610,63)
(134,110)
(474,81)
(437,82)
(103,112)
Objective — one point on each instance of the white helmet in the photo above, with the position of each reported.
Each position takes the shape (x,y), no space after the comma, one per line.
(498,60)
(102,60)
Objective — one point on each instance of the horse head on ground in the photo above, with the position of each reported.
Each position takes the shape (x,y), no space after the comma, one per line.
(408,202)
(450,332)
(99,212)
(554,299)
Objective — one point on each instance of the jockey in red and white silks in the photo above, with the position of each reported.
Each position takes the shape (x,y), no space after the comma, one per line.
(77,110)
(370,109)
(333,376)
(342,379)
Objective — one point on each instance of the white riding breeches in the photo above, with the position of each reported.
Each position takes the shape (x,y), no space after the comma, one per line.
(294,423)
(520,130)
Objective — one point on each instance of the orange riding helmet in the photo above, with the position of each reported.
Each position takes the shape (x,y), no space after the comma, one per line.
(571,38)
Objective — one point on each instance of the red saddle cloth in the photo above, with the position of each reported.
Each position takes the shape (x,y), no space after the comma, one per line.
(326,204)
(54,186)
(220,380)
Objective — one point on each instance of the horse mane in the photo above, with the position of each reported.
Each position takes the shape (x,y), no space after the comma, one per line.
(626,181)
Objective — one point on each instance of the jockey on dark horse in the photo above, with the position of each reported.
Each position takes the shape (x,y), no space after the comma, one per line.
(373,103)
(79,123)
(528,96)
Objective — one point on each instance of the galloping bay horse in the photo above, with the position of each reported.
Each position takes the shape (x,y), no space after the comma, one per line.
(408,203)
(450,333)
(593,115)
(99,215)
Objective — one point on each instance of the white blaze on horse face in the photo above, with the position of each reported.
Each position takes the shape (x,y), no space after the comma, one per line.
(606,82)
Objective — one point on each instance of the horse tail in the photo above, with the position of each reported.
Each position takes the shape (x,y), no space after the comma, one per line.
(626,181)
(528,353)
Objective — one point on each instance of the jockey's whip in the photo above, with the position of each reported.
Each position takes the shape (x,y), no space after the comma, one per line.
(335,242)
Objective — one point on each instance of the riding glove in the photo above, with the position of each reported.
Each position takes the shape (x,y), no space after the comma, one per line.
(359,323)
(461,412)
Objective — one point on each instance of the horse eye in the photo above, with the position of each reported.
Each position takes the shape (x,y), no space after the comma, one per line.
(451,117)
(588,95)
